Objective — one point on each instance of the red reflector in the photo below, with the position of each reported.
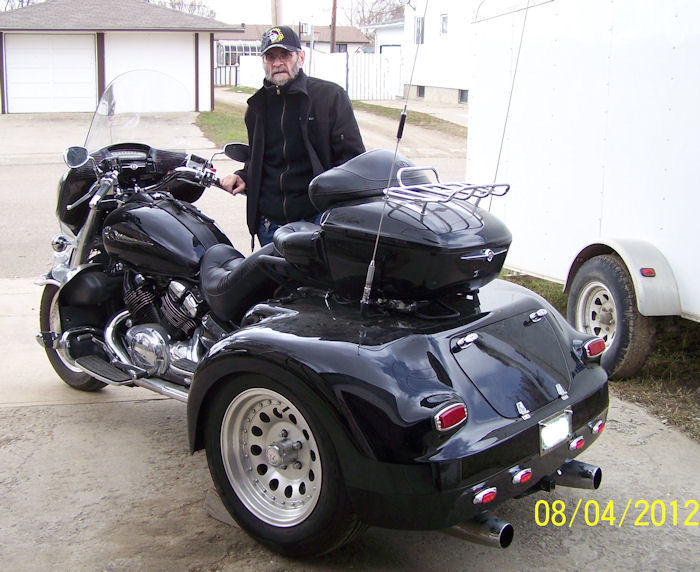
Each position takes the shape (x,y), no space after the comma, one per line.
(450,416)
(485,496)
(522,476)
(577,443)
(594,347)
(648,272)
(598,427)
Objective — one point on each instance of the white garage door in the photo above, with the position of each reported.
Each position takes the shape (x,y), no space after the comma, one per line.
(50,73)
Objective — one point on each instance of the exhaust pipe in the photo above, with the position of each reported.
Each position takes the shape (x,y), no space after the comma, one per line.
(579,475)
(484,529)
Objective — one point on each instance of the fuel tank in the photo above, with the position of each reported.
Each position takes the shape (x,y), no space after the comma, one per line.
(160,236)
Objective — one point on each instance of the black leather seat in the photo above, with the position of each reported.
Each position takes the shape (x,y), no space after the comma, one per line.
(231,283)
(362,177)
(299,242)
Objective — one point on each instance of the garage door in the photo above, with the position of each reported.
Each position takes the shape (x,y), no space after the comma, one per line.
(50,73)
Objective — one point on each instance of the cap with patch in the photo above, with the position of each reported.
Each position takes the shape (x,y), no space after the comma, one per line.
(280,37)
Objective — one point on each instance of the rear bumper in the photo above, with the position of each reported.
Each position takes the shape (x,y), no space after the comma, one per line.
(438,495)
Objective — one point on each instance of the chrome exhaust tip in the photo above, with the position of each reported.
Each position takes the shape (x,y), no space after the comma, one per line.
(484,529)
(579,475)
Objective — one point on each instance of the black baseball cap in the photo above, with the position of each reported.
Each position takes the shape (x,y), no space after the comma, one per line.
(280,37)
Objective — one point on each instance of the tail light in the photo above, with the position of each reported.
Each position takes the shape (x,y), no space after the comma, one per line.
(485,495)
(450,416)
(597,427)
(594,348)
(577,443)
(522,476)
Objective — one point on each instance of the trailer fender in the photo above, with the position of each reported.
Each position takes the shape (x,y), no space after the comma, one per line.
(657,295)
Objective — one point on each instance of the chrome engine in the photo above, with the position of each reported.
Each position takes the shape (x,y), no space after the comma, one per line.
(165,341)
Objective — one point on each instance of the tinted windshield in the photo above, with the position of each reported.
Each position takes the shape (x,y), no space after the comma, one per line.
(145,106)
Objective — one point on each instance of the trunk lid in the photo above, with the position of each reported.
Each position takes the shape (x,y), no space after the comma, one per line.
(518,364)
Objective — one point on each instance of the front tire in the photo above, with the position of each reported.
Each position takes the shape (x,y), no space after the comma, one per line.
(276,469)
(602,302)
(63,365)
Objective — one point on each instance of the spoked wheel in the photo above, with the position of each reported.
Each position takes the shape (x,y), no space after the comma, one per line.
(276,470)
(63,365)
(602,302)
(596,312)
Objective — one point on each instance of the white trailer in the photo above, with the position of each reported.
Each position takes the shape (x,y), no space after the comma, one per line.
(590,109)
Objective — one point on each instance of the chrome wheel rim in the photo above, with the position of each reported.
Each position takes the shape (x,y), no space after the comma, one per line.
(596,313)
(271,457)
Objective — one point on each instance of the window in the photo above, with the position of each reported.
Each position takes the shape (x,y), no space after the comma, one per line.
(228,54)
(443,24)
(419,30)
(341,48)
(463,96)
(420,90)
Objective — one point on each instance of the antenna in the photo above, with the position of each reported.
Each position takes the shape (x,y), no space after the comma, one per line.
(364,302)
(510,99)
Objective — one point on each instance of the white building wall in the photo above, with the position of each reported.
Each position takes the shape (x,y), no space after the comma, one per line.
(443,57)
(170,53)
(205,72)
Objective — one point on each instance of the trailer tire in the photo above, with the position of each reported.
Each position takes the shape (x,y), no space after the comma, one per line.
(602,302)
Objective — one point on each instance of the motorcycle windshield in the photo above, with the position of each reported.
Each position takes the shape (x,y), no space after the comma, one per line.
(144,106)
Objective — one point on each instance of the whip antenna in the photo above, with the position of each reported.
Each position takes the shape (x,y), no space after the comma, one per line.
(510,99)
(364,302)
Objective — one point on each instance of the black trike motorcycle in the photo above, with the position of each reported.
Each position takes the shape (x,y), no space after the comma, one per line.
(417,395)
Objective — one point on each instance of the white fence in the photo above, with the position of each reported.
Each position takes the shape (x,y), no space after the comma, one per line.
(364,76)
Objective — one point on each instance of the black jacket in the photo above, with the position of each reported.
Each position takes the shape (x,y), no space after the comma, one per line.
(329,133)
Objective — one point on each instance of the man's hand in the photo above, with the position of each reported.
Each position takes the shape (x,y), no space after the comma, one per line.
(233,184)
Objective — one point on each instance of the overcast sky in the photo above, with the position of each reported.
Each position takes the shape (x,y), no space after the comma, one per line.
(293,11)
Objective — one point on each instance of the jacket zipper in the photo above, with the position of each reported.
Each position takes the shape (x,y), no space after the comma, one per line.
(284,155)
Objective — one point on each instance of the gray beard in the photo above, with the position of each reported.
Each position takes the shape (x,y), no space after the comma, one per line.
(294,73)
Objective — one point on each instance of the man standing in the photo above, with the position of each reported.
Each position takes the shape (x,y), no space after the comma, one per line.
(298,127)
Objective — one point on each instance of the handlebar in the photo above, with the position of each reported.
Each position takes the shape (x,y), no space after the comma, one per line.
(201,174)
(105,186)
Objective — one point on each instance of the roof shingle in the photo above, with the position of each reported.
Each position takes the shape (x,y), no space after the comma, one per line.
(106,15)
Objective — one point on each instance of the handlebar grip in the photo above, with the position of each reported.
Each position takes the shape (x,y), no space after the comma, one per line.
(102,190)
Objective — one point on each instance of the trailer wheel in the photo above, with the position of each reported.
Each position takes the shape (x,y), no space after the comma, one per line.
(602,302)
(276,469)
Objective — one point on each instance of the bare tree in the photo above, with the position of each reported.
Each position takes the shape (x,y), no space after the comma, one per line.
(12,4)
(194,7)
(365,12)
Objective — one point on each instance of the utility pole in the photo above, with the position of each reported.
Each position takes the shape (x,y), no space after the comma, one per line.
(333,26)
(274,12)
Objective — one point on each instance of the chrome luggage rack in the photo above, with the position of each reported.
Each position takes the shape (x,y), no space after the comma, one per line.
(441,192)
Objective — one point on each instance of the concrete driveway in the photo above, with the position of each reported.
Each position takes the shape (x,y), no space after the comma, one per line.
(105,481)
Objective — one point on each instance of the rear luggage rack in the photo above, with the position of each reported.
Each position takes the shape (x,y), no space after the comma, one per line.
(441,192)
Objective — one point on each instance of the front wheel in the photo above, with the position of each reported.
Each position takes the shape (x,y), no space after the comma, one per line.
(602,302)
(63,365)
(276,469)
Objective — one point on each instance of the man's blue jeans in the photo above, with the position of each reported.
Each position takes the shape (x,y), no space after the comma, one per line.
(267,231)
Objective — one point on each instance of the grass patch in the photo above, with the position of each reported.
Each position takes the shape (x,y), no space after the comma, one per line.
(416,118)
(243,89)
(668,385)
(225,125)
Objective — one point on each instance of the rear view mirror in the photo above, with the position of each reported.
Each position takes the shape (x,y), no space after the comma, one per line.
(76,157)
(237,151)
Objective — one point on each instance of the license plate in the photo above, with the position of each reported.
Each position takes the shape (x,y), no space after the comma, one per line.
(555,430)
